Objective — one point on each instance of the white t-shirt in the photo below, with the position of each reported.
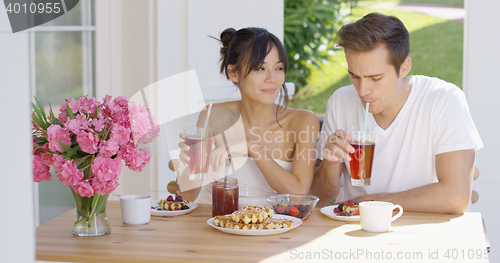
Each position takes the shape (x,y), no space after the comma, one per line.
(435,119)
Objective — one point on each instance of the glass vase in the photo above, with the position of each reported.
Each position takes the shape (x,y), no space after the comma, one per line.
(91,219)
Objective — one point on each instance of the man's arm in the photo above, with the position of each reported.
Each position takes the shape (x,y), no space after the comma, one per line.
(451,194)
(326,181)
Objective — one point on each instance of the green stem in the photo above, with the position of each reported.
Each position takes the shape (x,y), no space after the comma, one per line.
(90,206)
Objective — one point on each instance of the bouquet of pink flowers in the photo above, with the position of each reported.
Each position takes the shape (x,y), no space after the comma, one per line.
(87,143)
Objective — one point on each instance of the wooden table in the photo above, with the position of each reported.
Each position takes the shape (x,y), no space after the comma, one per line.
(188,238)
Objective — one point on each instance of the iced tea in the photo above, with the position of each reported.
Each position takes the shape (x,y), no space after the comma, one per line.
(362,158)
(224,196)
(199,154)
(200,142)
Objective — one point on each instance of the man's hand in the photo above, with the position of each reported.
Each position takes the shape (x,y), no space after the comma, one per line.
(337,148)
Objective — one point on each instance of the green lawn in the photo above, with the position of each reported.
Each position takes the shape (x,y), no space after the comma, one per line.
(436,50)
(455,3)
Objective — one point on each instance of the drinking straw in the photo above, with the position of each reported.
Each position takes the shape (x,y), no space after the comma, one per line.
(366,118)
(208,117)
(205,132)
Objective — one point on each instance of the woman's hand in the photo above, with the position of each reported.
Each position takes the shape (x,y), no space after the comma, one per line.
(337,147)
(184,148)
(219,156)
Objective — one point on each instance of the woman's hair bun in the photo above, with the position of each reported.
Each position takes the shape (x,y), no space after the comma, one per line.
(226,36)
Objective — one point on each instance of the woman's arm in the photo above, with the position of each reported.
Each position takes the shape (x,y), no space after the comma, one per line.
(305,124)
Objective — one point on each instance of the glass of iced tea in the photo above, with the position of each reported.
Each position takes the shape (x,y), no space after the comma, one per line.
(200,142)
(361,162)
(225,194)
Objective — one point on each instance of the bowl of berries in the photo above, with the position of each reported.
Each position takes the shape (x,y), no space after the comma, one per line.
(296,205)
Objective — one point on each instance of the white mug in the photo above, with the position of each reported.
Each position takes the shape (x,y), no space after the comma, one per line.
(136,209)
(376,216)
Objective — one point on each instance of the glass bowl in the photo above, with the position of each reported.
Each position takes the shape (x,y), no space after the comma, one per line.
(254,196)
(296,205)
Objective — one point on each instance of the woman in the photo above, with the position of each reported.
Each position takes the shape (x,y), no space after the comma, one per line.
(273,146)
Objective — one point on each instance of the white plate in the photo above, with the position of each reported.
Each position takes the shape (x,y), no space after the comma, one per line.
(264,232)
(328,211)
(154,212)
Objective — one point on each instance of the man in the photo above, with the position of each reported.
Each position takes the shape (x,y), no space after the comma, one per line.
(425,152)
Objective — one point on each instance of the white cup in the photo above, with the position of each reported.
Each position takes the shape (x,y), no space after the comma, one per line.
(136,209)
(376,216)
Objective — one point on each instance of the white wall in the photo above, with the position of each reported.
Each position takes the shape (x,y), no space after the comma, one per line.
(482,87)
(126,64)
(17,242)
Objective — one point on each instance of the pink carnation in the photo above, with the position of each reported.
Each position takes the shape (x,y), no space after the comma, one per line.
(58,161)
(108,148)
(120,134)
(55,134)
(88,105)
(118,110)
(63,116)
(104,188)
(87,141)
(99,124)
(150,135)
(41,171)
(144,128)
(134,159)
(46,157)
(106,172)
(119,103)
(106,169)
(84,189)
(70,175)
(78,123)
(75,105)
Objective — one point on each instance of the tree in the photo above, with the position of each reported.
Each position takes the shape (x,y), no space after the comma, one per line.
(310,30)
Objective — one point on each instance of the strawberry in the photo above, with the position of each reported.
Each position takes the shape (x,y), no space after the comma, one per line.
(336,210)
(356,213)
(281,209)
(293,211)
(350,203)
(170,198)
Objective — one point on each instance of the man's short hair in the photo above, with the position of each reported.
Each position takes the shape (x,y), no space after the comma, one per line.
(373,30)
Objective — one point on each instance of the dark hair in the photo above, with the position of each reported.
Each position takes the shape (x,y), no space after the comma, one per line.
(374,29)
(247,49)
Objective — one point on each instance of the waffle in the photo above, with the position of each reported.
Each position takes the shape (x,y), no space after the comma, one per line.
(171,206)
(252,214)
(268,223)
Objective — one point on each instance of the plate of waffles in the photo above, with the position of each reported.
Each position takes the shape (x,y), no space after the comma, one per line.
(157,210)
(342,216)
(254,221)
(256,229)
